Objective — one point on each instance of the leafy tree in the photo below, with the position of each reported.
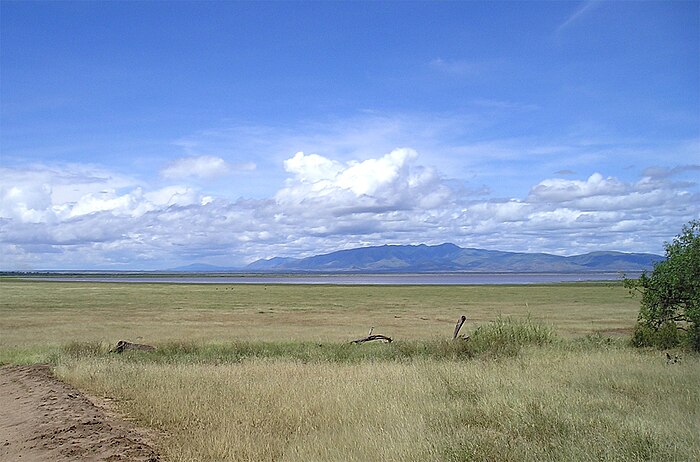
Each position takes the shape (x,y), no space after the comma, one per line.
(670,297)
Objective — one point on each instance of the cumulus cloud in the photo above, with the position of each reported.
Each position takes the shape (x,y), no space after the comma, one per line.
(558,190)
(312,168)
(55,194)
(81,216)
(202,167)
(598,195)
(38,193)
(390,182)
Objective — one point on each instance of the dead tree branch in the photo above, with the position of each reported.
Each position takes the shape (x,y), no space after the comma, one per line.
(461,321)
(371,337)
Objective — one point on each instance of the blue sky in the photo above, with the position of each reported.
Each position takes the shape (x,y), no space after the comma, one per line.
(145,135)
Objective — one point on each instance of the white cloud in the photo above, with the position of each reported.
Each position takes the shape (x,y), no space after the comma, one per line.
(372,175)
(202,167)
(499,212)
(450,143)
(390,182)
(26,203)
(559,190)
(39,193)
(324,204)
(356,138)
(173,195)
(107,201)
(312,168)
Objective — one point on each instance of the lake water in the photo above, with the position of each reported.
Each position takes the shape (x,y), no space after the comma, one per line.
(360,279)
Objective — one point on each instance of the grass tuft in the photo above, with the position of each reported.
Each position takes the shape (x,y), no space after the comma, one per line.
(505,337)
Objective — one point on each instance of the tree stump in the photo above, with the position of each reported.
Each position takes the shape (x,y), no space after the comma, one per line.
(459,326)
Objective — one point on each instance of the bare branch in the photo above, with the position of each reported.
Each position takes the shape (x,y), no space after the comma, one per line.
(370,338)
(461,321)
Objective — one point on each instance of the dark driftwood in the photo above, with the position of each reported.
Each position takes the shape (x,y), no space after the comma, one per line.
(458,326)
(370,338)
(123,345)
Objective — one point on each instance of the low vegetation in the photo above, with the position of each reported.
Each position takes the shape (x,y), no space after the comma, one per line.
(540,378)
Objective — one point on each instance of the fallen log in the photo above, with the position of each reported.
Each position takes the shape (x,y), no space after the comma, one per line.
(370,338)
(123,345)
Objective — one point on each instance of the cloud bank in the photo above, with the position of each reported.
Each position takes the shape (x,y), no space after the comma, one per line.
(82,216)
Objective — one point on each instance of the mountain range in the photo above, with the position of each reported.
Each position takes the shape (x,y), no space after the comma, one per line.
(443,258)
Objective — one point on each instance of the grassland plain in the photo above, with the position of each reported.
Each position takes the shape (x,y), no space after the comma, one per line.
(266,373)
(36,313)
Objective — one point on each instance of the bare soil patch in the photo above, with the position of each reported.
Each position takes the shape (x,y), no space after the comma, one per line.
(44,419)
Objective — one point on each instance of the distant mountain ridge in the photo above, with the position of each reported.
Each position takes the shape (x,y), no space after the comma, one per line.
(452,258)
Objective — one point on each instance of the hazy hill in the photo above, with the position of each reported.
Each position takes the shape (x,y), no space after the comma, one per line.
(449,257)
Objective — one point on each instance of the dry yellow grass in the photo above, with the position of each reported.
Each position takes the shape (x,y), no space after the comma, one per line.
(546,404)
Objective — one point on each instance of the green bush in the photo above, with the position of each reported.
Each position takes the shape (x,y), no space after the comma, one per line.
(665,337)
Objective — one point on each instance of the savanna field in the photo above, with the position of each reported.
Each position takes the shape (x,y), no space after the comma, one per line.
(268,373)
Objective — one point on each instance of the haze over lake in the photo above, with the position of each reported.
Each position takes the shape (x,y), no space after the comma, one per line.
(362,279)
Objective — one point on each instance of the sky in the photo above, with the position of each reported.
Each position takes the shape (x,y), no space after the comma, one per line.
(150,135)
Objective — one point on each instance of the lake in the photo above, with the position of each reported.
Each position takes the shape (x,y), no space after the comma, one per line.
(356,279)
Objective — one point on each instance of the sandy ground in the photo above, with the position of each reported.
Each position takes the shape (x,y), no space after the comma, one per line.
(44,419)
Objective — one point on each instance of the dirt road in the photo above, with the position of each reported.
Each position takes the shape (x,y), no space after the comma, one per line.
(44,419)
